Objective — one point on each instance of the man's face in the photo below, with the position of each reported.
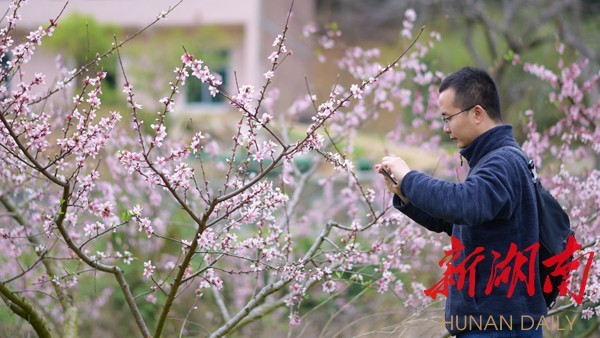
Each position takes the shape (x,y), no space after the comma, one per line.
(459,123)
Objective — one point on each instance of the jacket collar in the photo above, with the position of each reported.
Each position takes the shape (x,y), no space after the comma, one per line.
(491,140)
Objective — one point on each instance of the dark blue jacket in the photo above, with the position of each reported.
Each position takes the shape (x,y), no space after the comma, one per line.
(494,207)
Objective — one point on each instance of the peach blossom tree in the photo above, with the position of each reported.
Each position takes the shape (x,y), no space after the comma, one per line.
(167,222)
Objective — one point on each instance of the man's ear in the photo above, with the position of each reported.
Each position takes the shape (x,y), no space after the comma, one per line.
(479,113)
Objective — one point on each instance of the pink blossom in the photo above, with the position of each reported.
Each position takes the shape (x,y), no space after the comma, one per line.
(410,15)
(273,57)
(278,40)
(309,29)
(127,257)
(150,298)
(356,91)
(187,59)
(148,269)
(127,88)
(145,226)
(329,286)
(244,97)
(208,239)
(137,210)
(269,74)
(587,313)
(213,91)
(161,133)
(106,210)
(542,73)
(195,145)
(93,229)
(295,319)
(181,176)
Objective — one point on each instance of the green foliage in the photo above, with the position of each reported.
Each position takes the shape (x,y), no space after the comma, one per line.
(81,39)
(157,57)
(126,216)
(166,46)
(12,325)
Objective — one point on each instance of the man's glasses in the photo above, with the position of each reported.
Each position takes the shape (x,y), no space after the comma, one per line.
(446,119)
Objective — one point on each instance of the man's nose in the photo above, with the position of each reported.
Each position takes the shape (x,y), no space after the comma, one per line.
(446,128)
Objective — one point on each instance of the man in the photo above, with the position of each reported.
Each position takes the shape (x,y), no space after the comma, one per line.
(492,209)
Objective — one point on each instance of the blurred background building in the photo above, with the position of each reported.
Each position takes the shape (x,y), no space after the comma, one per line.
(234,37)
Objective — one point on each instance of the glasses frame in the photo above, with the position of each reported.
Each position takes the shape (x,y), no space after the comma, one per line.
(446,119)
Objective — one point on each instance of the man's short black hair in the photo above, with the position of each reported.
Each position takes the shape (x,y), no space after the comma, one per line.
(474,86)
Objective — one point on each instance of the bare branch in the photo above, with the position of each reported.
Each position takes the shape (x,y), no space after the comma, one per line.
(555,8)
(115,270)
(271,288)
(221,304)
(24,309)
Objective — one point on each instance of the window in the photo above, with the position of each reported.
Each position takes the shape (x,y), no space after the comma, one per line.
(4,80)
(197,92)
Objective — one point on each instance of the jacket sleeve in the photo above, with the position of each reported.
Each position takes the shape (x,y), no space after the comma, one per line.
(421,217)
(487,194)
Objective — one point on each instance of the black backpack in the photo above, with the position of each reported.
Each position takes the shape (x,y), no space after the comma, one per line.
(554,229)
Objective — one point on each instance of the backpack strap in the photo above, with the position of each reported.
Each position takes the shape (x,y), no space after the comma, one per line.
(530,164)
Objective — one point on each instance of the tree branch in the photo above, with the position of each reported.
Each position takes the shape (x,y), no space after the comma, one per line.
(30,157)
(555,8)
(26,311)
(253,303)
(115,270)
(254,180)
(221,304)
(179,278)
(268,290)
(64,296)
(573,38)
